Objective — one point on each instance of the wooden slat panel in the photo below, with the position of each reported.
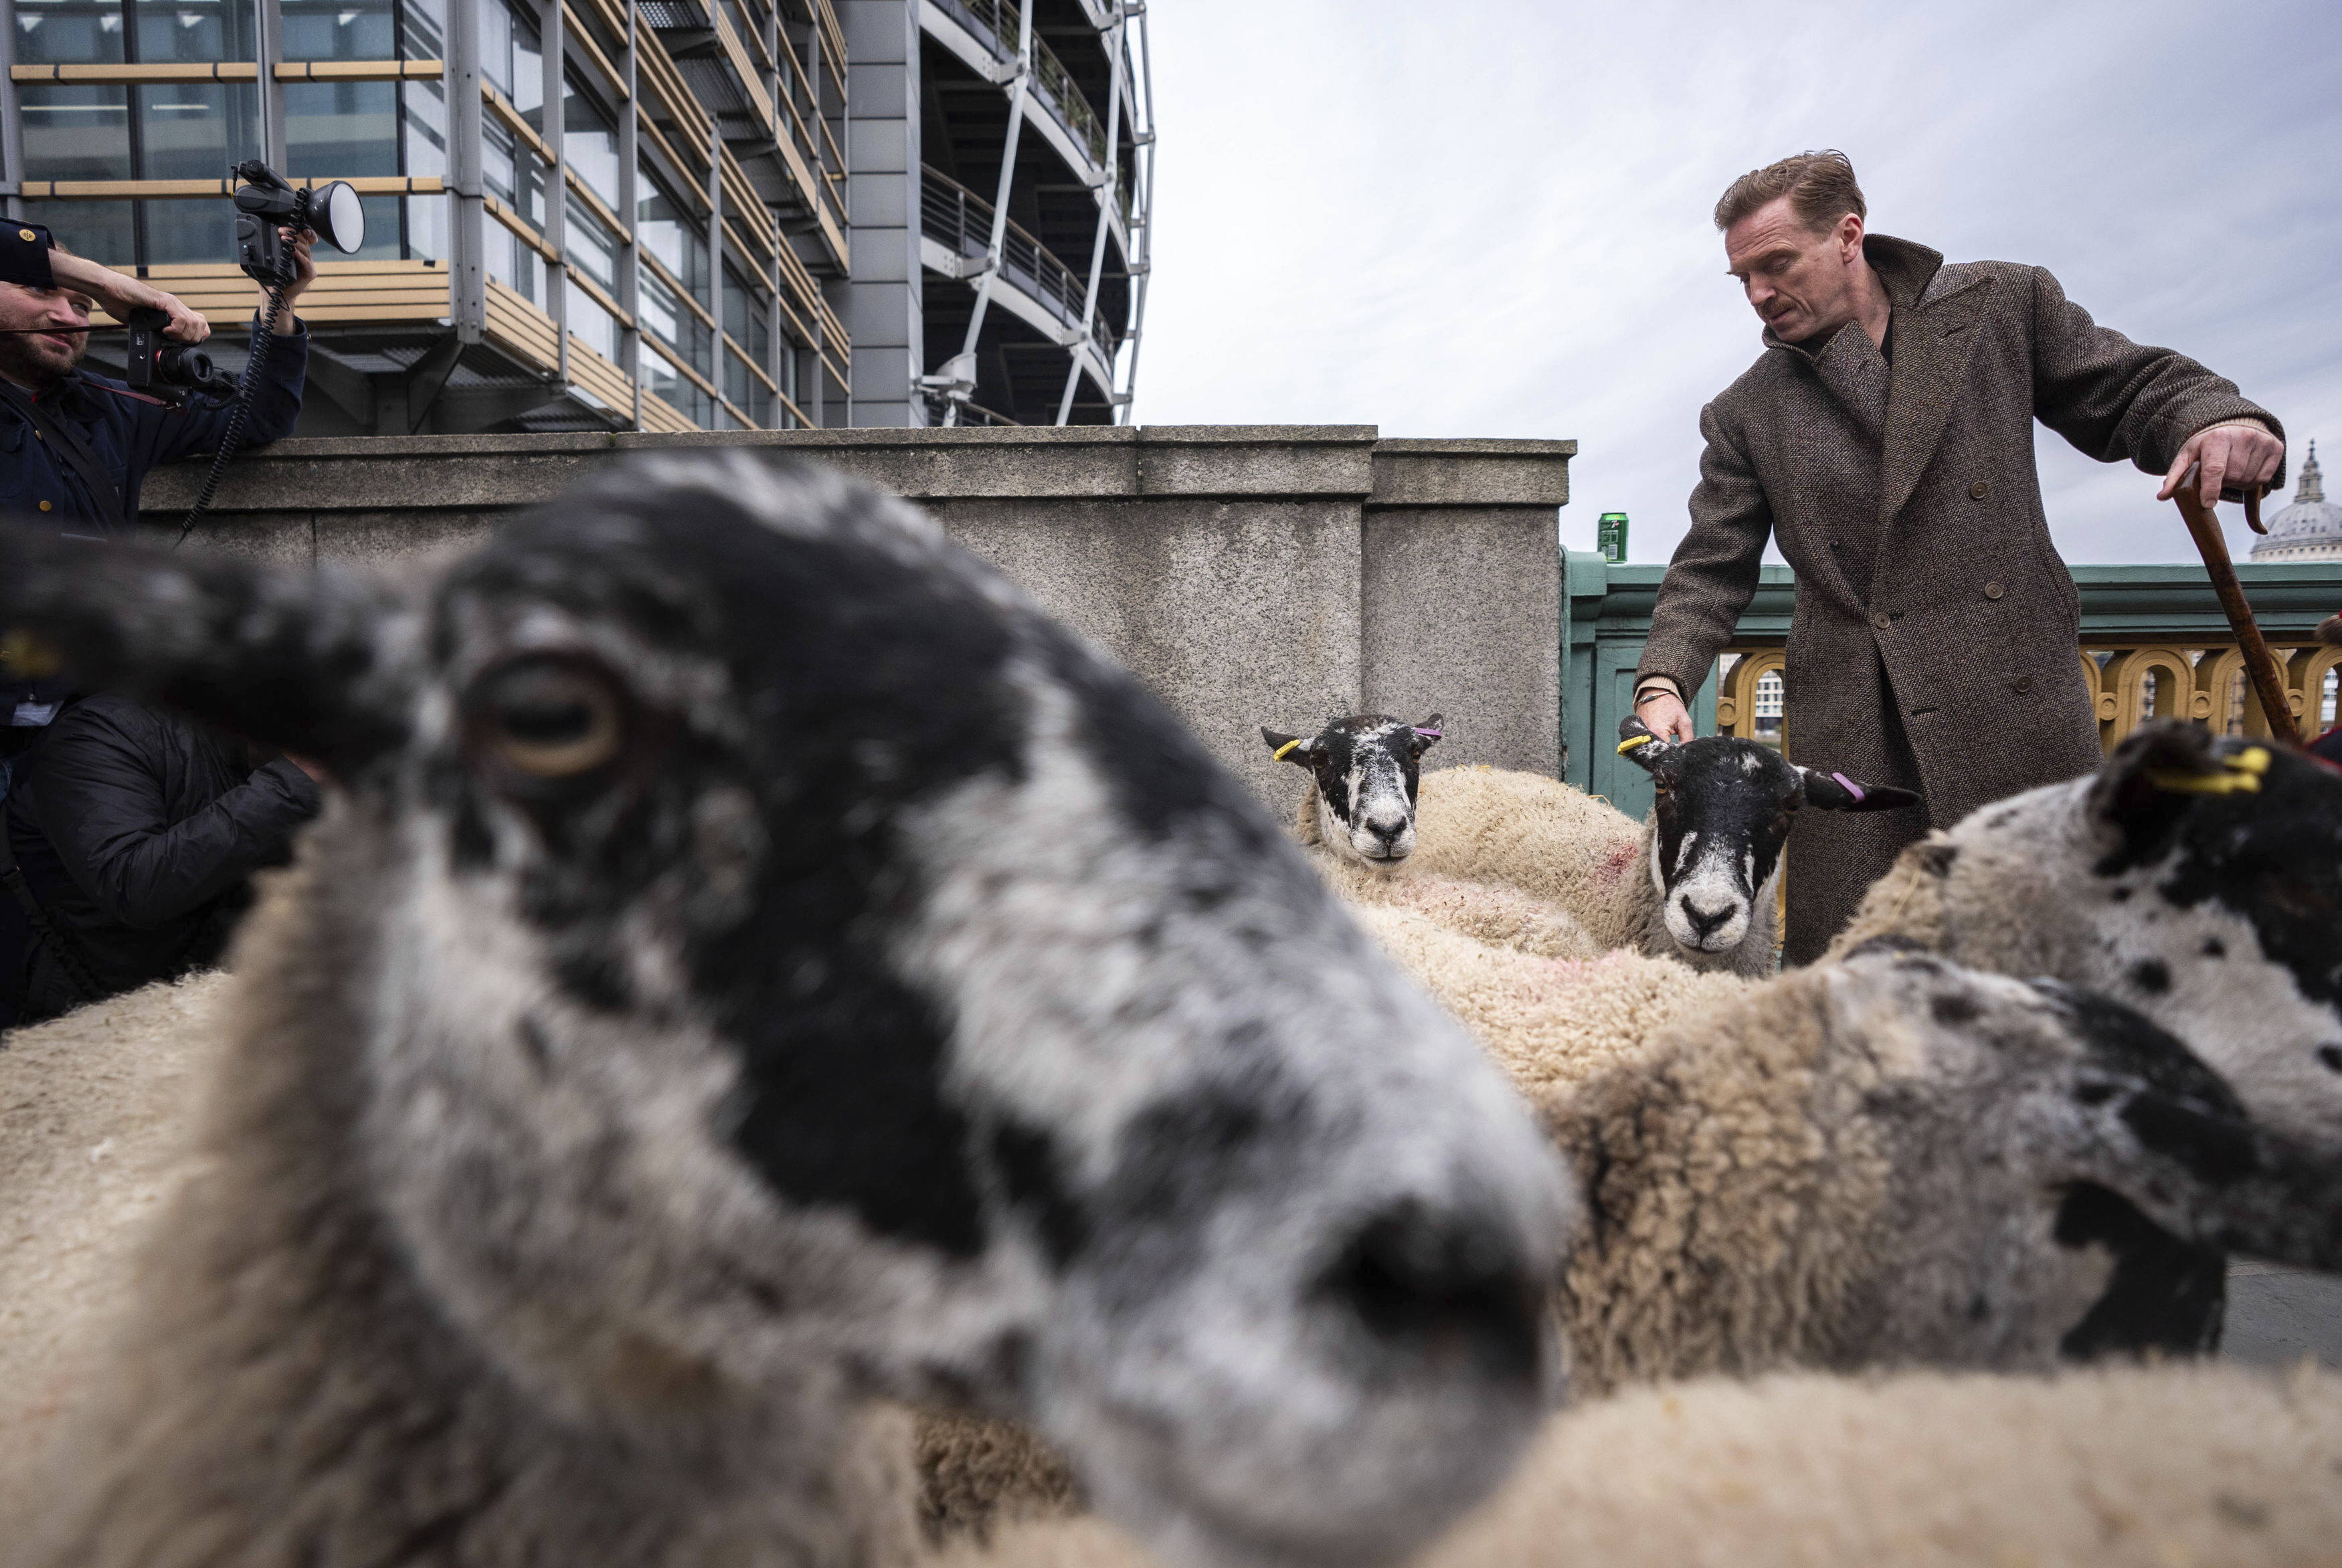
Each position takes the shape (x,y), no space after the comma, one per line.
(660,414)
(594,291)
(224,71)
(746,69)
(675,359)
(361,70)
(520,327)
(596,205)
(131,190)
(502,108)
(586,41)
(598,375)
(521,227)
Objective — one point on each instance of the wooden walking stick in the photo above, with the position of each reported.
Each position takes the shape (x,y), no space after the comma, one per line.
(2268,686)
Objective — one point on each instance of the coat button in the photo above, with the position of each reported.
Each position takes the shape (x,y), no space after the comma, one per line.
(1882,620)
(44,506)
(1992,589)
(1980,490)
(2024,683)
(27,235)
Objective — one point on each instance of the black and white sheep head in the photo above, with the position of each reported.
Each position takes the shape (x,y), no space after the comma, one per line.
(793,963)
(1724,807)
(2196,878)
(1365,769)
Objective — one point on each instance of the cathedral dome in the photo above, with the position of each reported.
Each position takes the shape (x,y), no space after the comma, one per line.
(2308,530)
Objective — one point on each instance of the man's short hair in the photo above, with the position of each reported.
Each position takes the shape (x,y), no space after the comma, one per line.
(1820,187)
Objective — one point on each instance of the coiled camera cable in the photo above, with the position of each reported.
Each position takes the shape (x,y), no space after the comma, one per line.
(247,387)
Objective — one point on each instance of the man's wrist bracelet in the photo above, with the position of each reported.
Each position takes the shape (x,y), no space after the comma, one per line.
(1645,694)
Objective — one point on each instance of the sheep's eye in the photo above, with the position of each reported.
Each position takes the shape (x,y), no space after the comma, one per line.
(547,719)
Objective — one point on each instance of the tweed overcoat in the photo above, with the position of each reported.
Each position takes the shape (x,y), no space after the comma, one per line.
(1928,591)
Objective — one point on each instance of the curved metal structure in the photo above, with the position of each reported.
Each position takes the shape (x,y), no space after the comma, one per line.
(1034,293)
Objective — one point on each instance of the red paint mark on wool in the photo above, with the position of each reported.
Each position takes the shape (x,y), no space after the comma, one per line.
(1614,864)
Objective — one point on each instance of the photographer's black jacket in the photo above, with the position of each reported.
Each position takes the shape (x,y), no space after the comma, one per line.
(139,830)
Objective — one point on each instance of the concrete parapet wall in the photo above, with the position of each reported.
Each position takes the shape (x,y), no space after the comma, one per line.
(1276,575)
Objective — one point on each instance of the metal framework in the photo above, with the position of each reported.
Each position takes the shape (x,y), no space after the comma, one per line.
(1112,155)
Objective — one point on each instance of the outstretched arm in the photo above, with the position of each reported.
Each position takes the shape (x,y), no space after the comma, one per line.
(1708,582)
(2116,400)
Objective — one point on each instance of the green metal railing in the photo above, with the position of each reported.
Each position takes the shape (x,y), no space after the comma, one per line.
(2155,635)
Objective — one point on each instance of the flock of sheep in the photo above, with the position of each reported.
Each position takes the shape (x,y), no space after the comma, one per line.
(758,978)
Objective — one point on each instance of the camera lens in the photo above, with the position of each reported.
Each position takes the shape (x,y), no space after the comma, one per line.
(178,366)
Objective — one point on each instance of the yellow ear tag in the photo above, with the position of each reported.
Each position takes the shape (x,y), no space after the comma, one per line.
(2240,775)
(29,655)
(1631,742)
(1279,754)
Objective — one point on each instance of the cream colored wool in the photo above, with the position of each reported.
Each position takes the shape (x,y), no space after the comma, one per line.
(977,1475)
(2125,1467)
(1542,837)
(1737,1185)
(95,1125)
(1549,1023)
(1486,912)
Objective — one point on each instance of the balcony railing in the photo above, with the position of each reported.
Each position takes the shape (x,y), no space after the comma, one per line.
(995,21)
(961,222)
(2154,645)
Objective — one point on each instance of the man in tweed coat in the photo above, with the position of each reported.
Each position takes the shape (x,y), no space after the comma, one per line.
(1885,438)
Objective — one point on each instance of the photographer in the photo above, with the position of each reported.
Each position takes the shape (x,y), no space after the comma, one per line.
(129,835)
(75,447)
(44,332)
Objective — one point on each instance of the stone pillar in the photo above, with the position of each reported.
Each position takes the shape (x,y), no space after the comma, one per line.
(1460,595)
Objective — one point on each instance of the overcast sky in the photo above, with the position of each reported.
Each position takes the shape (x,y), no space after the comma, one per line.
(1491,217)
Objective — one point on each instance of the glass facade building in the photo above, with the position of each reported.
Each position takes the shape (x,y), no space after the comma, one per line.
(620,214)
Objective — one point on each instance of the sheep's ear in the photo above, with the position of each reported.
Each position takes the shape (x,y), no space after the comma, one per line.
(1298,750)
(1836,791)
(2151,781)
(1427,734)
(294,659)
(1642,746)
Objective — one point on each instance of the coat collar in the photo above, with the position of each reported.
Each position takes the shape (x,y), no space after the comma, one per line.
(1935,339)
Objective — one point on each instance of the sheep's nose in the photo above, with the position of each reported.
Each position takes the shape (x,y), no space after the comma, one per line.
(1440,1292)
(1703,922)
(1387,832)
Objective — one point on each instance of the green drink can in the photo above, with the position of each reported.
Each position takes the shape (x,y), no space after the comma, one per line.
(1610,537)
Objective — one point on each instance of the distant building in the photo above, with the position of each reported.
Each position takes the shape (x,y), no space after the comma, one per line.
(2308,530)
(598,214)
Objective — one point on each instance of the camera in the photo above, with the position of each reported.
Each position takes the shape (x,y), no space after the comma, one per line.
(158,367)
(264,203)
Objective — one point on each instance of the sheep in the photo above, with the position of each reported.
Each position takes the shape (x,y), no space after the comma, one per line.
(2198,880)
(2114,1467)
(1883,1161)
(1713,841)
(1886,1160)
(752,967)
(93,1135)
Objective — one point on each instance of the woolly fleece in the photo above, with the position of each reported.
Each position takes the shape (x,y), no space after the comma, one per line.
(1539,836)
(2125,1467)
(95,1118)
(1486,912)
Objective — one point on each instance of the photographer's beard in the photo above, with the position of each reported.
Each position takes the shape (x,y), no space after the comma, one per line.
(35,358)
